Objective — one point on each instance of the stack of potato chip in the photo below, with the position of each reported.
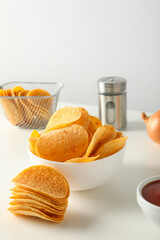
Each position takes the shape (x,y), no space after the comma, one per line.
(24,110)
(40,191)
(74,136)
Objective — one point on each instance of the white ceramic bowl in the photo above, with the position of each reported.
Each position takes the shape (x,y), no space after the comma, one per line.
(150,210)
(84,176)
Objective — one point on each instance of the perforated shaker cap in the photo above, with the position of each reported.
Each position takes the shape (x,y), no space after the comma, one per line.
(111,85)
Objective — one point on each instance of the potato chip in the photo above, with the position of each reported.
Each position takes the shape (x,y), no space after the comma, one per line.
(2,92)
(66,116)
(63,144)
(110,147)
(119,134)
(23,93)
(44,103)
(97,122)
(19,192)
(16,90)
(35,134)
(102,134)
(82,159)
(32,149)
(31,196)
(30,211)
(92,127)
(8,92)
(37,204)
(33,141)
(90,136)
(40,191)
(44,180)
(12,113)
(38,93)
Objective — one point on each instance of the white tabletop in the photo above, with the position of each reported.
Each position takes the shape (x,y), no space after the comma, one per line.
(108,212)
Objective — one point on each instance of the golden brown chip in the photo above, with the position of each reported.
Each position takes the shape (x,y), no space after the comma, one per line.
(44,180)
(12,112)
(2,92)
(57,206)
(23,93)
(96,121)
(32,149)
(35,134)
(19,193)
(33,140)
(16,90)
(39,205)
(30,211)
(63,144)
(66,116)
(90,136)
(92,127)
(119,134)
(111,147)
(82,159)
(8,92)
(43,103)
(102,134)
(38,93)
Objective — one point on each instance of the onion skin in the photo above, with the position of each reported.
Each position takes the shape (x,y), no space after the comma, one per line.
(153,125)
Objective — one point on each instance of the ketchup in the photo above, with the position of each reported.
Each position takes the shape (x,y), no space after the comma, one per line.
(151,192)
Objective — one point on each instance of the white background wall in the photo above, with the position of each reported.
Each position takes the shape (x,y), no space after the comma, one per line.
(77,42)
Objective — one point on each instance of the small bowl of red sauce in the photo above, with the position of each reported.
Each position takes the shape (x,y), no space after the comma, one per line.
(148,198)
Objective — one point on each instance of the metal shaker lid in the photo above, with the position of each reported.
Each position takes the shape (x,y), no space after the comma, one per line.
(110,85)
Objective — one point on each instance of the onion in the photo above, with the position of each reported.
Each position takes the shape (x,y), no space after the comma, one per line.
(153,125)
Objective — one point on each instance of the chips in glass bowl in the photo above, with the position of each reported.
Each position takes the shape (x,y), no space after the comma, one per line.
(29,104)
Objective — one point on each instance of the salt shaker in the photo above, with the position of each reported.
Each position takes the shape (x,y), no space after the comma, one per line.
(112,101)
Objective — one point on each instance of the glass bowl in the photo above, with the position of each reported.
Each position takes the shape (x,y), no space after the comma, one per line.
(29,111)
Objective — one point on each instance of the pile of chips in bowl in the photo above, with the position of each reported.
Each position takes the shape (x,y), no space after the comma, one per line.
(74,136)
(40,191)
(27,108)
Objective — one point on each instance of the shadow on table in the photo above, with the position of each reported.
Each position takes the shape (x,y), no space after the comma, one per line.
(120,192)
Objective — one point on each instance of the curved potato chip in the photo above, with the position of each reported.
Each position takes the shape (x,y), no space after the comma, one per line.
(66,116)
(37,204)
(1,92)
(12,112)
(8,92)
(62,144)
(30,112)
(92,127)
(23,93)
(19,192)
(84,120)
(44,180)
(16,90)
(90,136)
(40,102)
(23,195)
(118,135)
(97,122)
(110,147)
(82,159)
(35,134)
(38,93)
(31,211)
(32,149)
(102,134)
(33,141)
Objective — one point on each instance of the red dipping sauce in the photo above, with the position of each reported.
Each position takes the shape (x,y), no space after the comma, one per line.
(151,192)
